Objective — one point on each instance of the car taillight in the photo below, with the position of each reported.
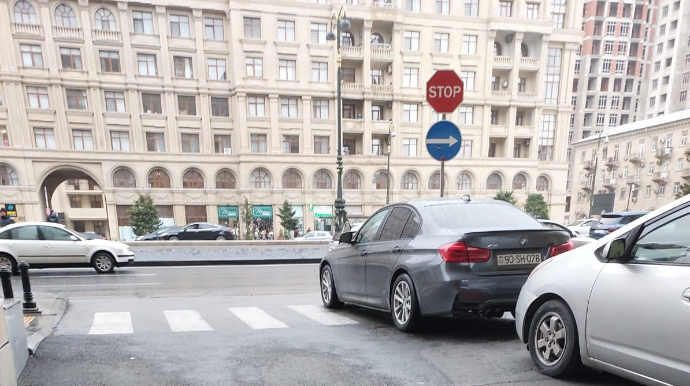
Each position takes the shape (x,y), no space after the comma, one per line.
(461,253)
(563,248)
(612,229)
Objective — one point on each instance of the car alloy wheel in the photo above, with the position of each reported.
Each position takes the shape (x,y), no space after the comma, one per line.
(551,339)
(402,303)
(326,286)
(220,238)
(103,263)
(173,238)
(329,295)
(7,262)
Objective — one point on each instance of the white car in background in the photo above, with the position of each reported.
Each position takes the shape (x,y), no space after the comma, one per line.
(44,245)
(315,236)
(581,227)
(578,240)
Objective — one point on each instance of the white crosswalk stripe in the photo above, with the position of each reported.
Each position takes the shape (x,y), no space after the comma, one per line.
(257,318)
(186,321)
(105,323)
(322,315)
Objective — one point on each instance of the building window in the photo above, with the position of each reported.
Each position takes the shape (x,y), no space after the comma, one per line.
(115,101)
(226,180)
(553,72)
(65,17)
(292,180)
(602,102)
(376,76)
(4,138)
(255,67)
(179,26)
(24,13)
(683,138)
(411,41)
(321,144)
(159,179)
(494,182)
(469,44)
(615,102)
(286,31)
(75,201)
(318,33)
(443,7)
(155,142)
(110,61)
(683,96)
(70,58)
(38,97)
(147,65)
(466,149)
(546,137)
(143,22)
(542,184)
(472,8)
(124,178)
(505,8)
(412,5)
(82,139)
(466,115)
(151,103)
(435,182)
(348,75)
(380,180)
(76,99)
(652,101)
(441,42)
(410,77)
(519,182)
(183,67)
(319,72)
(186,104)
(522,85)
(352,180)
(320,108)
(222,144)
(258,143)
(287,69)
(105,21)
(190,143)
(252,28)
(409,147)
(463,182)
(611,28)
(216,69)
(44,138)
(322,180)
(468,79)
(291,144)
(608,47)
(193,179)
(409,181)
(410,113)
(31,55)
(259,179)
(257,106)
(532,11)
(119,140)
(220,107)
(349,111)
(214,29)
(613,120)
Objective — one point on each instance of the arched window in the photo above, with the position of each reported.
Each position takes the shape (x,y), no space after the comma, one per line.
(347,39)
(380,180)
(322,180)
(226,180)
(159,179)
(498,50)
(124,178)
(8,177)
(193,179)
(463,182)
(24,13)
(260,180)
(292,180)
(65,17)
(494,182)
(105,21)
(352,180)
(435,181)
(542,184)
(519,182)
(377,39)
(524,52)
(409,181)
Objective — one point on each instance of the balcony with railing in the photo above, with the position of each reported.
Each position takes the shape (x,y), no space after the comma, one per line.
(527,63)
(586,185)
(106,36)
(527,95)
(500,94)
(381,88)
(27,29)
(358,87)
(381,52)
(610,183)
(588,165)
(685,174)
(663,153)
(383,4)
(635,159)
(503,61)
(352,52)
(611,162)
(68,33)
(633,180)
(660,178)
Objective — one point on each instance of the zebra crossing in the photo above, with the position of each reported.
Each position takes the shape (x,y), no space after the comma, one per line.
(255,318)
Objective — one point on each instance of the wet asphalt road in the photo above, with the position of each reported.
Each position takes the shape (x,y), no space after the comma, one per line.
(366,350)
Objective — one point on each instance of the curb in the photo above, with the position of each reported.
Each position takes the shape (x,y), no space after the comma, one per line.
(221,262)
(35,339)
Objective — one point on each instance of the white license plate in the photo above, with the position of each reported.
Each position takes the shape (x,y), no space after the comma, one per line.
(599,231)
(519,259)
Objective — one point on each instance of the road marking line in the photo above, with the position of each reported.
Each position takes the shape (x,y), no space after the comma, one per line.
(186,321)
(227,266)
(256,318)
(101,276)
(106,323)
(321,315)
(95,285)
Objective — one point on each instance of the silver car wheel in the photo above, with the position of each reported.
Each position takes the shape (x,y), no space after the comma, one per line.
(550,339)
(326,286)
(5,262)
(402,303)
(104,263)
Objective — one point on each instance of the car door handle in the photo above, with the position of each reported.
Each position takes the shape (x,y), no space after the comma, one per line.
(396,250)
(686,294)
(47,246)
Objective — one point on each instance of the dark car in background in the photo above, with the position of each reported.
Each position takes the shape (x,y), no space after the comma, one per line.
(438,257)
(611,222)
(160,234)
(202,231)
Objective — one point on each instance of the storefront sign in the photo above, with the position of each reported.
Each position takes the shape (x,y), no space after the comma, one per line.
(323,211)
(354,210)
(262,211)
(225,212)
(11,210)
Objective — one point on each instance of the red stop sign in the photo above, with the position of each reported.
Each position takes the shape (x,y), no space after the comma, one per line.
(444,91)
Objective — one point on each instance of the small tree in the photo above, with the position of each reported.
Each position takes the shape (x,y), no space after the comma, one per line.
(247,218)
(287,219)
(684,191)
(144,216)
(506,195)
(536,206)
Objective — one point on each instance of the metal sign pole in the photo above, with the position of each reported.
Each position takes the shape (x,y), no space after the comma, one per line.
(443,174)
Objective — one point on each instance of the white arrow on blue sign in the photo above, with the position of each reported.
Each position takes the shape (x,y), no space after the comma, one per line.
(443,141)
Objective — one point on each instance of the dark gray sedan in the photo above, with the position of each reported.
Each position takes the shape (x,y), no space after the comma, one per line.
(438,257)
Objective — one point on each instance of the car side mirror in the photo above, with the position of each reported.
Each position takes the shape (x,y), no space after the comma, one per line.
(74,238)
(346,237)
(615,250)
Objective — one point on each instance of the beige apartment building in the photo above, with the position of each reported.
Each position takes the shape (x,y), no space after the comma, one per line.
(206,103)
(644,164)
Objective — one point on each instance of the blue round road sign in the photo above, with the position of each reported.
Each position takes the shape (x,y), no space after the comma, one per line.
(443,141)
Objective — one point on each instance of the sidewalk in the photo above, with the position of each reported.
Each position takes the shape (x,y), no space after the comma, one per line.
(41,326)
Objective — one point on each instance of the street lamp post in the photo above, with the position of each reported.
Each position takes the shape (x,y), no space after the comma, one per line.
(340,21)
(391,134)
(632,189)
(596,169)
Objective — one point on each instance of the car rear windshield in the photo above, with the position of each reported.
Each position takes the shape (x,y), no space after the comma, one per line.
(480,216)
(611,220)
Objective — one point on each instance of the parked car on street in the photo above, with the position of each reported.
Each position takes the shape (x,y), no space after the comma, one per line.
(159,234)
(438,257)
(581,227)
(610,222)
(315,236)
(618,305)
(52,245)
(202,231)
(577,240)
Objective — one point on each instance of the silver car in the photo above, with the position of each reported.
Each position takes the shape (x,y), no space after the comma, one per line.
(315,236)
(438,257)
(577,239)
(620,305)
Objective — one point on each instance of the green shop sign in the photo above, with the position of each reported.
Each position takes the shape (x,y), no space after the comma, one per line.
(228,212)
(323,211)
(262,211)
